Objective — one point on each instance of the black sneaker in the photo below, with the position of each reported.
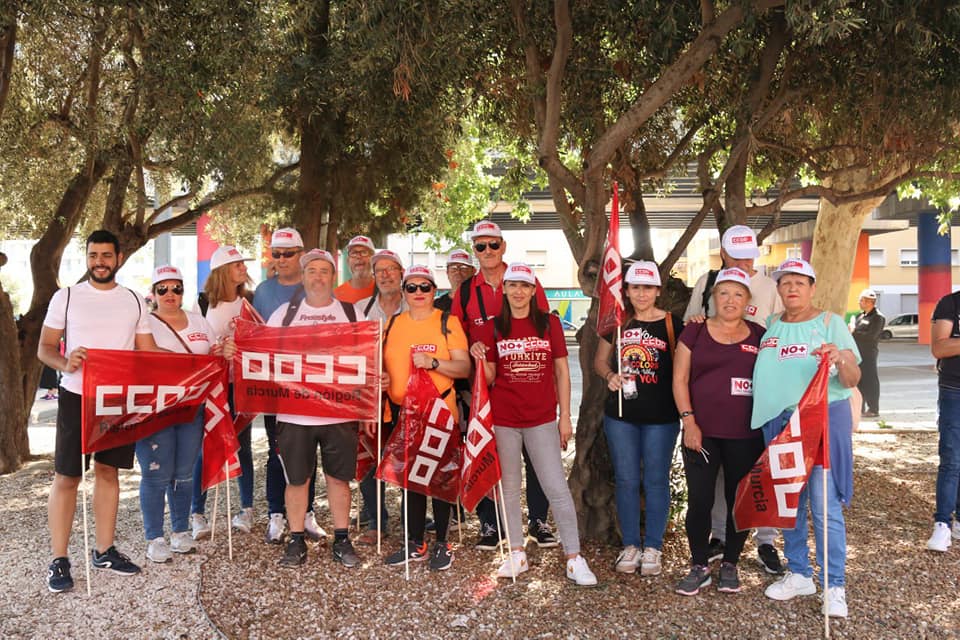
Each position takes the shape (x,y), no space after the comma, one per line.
(770,559)
(431,526)
(698,578)
(344,554)
(58,576)
(115,561)
(417,551)
(729,581)
(715,550)
(295,554)
(489,538)
(441,557)
(541,533)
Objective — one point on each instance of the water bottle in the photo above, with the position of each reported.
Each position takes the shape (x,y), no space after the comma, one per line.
(629,386)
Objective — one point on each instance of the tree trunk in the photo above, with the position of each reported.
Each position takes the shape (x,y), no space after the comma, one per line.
(14,444)
(640,226)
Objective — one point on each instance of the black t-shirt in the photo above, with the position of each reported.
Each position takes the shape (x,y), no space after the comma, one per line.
(949,368)
(646,354)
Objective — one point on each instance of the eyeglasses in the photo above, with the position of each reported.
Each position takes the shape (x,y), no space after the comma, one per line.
(363,253)
(462,268)
(385,270)
(480,247)
(424,287)
(284,254)
(177,289)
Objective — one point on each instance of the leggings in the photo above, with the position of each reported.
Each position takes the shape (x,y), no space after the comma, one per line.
(416,505)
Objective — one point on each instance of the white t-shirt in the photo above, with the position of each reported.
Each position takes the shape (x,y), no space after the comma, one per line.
(221,317)
(309,316)
(96,319)
(764,300)
(198,334)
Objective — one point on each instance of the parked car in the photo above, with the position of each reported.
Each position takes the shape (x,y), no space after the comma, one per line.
(901,326)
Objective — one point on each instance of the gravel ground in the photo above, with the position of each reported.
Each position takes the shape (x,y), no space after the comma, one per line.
(896,589)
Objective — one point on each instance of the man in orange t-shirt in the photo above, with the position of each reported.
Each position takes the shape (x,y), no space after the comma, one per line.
(360,285)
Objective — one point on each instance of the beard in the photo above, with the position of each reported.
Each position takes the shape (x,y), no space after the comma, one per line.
(111,274)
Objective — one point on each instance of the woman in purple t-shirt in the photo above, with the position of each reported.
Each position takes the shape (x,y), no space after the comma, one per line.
(713,389)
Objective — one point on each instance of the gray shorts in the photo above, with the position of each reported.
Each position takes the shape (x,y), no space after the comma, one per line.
(297,450)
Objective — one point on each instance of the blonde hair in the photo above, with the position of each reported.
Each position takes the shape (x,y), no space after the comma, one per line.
(217,286)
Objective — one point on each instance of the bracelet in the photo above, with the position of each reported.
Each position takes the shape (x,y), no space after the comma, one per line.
(684,414)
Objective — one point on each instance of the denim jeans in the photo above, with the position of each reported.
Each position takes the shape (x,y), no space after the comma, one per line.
(166,461)
(948,472)
(646,449)
(244,481)
(277,482)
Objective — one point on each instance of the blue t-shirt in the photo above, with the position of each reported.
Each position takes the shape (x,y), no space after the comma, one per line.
(270,294)
(786,363)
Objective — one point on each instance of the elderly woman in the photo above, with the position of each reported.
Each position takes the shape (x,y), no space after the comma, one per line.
(168,456)
(712,379)
(780,383)
(417,337)
(642,431)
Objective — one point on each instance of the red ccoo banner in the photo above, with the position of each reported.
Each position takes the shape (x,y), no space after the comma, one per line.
(322,370)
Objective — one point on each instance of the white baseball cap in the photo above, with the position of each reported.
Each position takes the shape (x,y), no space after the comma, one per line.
(166,272)
(286,238)
(519,272)
(418,271)
(317,254)
(225,255)
(868,293)
(361,241)
(643,272)
(734,275)
(486,228)
(794,265)
(459,256)
(740,243)
(385,254)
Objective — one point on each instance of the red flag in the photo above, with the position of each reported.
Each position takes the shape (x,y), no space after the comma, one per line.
(481,464)
(220,443)
(129,395)
(423,452)
(366,454)
(768,495)
(609,284)
(248,313)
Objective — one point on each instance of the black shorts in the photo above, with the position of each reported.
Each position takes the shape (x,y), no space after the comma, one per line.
(66,456)
(297,450)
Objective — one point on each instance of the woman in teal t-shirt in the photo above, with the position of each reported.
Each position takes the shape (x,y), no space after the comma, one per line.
(789,355)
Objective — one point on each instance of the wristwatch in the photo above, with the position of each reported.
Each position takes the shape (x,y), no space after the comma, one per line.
(434,364)
(684,414)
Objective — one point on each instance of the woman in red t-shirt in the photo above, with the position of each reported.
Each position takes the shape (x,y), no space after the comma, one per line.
(713,389)
(526,361)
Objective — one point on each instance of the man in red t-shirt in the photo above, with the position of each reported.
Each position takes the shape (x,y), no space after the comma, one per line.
(475,302)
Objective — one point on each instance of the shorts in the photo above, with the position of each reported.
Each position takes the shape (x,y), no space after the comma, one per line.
(297,450)
(66,456)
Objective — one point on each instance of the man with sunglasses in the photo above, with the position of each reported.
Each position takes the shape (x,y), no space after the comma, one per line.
(475,302)
(360,285)
(286,247)
(459,268)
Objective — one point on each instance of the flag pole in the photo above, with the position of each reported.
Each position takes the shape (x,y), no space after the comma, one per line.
(379,419)
(826,546)
(226,471)
(620,371)
(213,520)
(459,524)
(513,568)
(496,511)
(86,528)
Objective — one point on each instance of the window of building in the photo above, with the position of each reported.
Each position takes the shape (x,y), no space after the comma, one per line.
(955,257)
(421,257)
(794,253)
(536,259)
(878,258)
(908,257)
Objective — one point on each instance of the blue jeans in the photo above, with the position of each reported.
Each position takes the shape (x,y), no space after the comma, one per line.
(948,472)
(795,546)
(276,481)
(646,447)
(244,481)
(166,461)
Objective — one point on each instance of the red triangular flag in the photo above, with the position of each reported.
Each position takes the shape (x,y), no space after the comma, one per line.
(610,281)
(220,443)
(481,464)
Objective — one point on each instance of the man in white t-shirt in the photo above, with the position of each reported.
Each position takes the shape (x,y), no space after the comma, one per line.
(738,248)
(298,436)
(99,314)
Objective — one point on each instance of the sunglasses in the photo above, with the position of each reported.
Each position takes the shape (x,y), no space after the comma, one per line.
(462,268)
(177,289)
(480,247)
(284,254)
(424,287)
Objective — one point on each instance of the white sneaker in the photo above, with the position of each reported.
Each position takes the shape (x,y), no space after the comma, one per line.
(275,528)
(790,586)
(835,602)
(579,572)
(940,540)
(519,565)
(650,562)
(158,551)
(243,521)
(955,532)
(182,542)
(310,527)
(628,560)
(199,526)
